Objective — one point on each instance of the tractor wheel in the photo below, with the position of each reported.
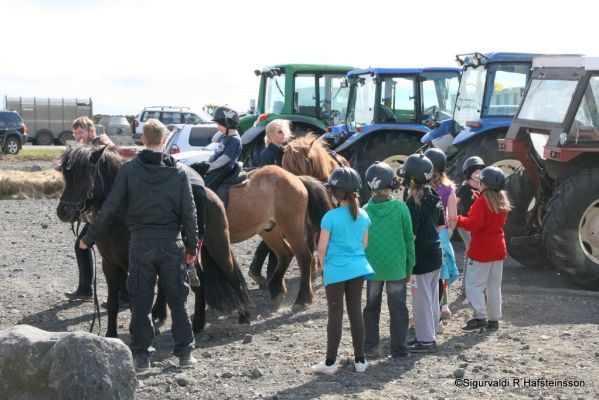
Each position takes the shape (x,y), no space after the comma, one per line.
(12,145)
(484,147)
(521,192)
(392,148)
(44,138)
(571,228)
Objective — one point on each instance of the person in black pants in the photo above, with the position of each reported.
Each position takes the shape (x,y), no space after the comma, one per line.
(278,132)
(162,220)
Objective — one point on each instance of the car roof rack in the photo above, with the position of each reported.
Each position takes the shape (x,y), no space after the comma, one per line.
(168,107)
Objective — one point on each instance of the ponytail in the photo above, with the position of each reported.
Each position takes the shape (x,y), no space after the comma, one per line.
(352,200)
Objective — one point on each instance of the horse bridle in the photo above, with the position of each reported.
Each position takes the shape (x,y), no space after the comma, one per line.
(332,154)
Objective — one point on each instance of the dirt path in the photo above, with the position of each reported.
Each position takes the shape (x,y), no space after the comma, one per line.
(549,332)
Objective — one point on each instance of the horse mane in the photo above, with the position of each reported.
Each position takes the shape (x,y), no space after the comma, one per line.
(307,155)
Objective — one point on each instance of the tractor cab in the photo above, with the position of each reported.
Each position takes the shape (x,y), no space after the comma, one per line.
(388,111)
(488,97)
(312,97)
(555,135)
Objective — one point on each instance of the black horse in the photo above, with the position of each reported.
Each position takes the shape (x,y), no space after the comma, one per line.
(89,173)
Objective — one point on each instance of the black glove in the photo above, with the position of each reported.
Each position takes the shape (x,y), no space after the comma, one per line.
(201,168)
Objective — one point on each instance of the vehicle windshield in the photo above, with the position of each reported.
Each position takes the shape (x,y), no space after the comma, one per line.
(361,104)
(274,94)
(397,103)
(585,128)
(204,116)
(439,92)
(506,86)
(469,102)
(547,100)
(171,139)
(329,104)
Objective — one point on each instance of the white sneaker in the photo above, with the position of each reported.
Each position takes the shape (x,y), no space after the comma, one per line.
(323,368)
(361,366)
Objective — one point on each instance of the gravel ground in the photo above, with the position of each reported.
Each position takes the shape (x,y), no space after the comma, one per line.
(549,332)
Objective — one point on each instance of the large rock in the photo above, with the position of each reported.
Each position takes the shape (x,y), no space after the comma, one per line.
(35,364)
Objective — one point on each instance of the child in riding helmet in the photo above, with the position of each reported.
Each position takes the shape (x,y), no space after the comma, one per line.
(278,132)
(223,161)
(446,190)
(487,249)
(390,251)
(428,219)
(343,237)
(466,194)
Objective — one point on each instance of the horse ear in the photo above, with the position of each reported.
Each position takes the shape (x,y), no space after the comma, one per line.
(97,154)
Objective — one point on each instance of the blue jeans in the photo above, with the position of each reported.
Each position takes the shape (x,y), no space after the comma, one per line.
(398,313)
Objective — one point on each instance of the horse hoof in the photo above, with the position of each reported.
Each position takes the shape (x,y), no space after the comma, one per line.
(112,335)
(298,307)
(258,279)
(244,318)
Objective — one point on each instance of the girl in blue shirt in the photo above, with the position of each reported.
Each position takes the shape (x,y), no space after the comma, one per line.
(343,238)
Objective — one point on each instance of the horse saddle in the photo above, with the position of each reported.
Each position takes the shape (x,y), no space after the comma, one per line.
(236,177)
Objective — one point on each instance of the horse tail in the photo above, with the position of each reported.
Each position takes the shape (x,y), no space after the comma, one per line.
(225,286)
(319,202)
(219,292)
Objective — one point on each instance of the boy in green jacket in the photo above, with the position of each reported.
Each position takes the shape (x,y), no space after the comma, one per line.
(390,252)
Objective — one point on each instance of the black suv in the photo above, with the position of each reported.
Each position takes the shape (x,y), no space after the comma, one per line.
(13,132)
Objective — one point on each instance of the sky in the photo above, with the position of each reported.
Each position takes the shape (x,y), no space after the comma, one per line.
(128,54)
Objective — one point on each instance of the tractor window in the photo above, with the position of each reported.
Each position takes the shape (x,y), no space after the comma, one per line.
(439,92)
(305,95)
(469,103)
(585,128)
(333,99)
(506,82)
(547,100)
(397,100)
(274,96)
(362,101)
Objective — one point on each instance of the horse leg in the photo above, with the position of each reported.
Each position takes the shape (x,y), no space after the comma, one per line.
(276,283)
(199,312)
(159,311)
(297,241)
(113,279)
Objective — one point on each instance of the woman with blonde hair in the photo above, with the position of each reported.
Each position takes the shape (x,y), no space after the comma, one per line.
(278,132)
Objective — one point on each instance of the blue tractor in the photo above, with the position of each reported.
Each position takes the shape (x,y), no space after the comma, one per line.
(490,93)
(388,112)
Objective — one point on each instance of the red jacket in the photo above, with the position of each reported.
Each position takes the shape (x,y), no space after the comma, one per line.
(488,241)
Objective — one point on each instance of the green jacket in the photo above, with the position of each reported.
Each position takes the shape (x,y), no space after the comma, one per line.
(390,249)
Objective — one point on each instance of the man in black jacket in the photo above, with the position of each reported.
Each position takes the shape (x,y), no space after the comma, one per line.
(160,210)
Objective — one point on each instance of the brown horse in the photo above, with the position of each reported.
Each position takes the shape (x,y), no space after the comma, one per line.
(284,210)
(307,155)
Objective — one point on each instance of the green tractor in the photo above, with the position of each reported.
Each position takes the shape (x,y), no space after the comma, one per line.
(555,195)
(312,97)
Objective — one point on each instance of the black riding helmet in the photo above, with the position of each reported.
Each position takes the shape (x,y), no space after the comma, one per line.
(417,168)
(493,178)
(345,180)
(437,157)
(380,176)
(227,117)
(471,165)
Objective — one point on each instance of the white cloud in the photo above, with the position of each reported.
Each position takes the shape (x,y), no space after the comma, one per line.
(129,54)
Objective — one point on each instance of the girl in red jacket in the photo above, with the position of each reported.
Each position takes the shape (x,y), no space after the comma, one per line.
(487,249)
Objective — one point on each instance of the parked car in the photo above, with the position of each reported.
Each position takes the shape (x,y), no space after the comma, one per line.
(13,132)
(193,156)
(192,137)
(172,117)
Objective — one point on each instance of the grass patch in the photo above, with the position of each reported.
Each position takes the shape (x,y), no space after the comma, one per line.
(19,185)
(40,152)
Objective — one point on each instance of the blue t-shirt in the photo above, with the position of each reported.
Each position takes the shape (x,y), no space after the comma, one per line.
(229,145)
(345,258)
